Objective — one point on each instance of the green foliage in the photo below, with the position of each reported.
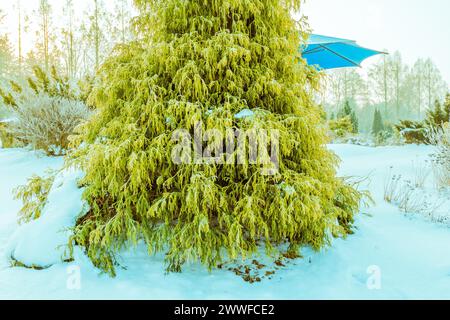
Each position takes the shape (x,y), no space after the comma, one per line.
(437,116)
(413,131)
(8,98)
(347,111)
(52,84)
(6,138)
(377,125)
(446,107)
(417,131)
(34,196)
(206,61)
(382,137)
(341,127)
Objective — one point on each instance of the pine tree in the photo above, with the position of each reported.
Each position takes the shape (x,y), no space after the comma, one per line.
(446,108)
(436,117)
(377,125)
(197,66)
(348,111)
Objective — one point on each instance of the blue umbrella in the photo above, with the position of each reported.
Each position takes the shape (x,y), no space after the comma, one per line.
(331,53)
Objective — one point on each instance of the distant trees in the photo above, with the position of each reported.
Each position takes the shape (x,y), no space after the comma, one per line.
(19,31)
(45,33)
(76,42)
(347,111)
(103,28)
(69,41)
(446,106)
(398,91)
(419,131)
(440,114)
(121,27)
(6,51)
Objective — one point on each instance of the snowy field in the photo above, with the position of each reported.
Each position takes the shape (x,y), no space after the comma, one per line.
(392,255)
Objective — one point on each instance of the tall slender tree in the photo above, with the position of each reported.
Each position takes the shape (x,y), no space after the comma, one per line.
(95,32)
(377,125)
(19,31)
(44,12)
(6,52)
(121,26)
(69,39)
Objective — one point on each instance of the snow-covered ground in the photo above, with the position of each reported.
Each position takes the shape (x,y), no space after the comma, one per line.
(392,255)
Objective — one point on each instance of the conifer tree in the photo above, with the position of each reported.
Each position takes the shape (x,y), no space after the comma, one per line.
(377,125)
(446,108)
(437,116)
(347,111)
(205,62)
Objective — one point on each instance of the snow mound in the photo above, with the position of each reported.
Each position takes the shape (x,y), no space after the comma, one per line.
(246,113)
(42,242)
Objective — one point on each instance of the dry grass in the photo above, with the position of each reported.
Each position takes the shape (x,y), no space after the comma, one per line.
(409,196)
(441,158)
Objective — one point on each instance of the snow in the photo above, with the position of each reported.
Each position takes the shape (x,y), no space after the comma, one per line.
(43,242)
(409,252)
(8,120)
(246,113)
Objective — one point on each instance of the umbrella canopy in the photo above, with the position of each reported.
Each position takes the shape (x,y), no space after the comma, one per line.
(330,53)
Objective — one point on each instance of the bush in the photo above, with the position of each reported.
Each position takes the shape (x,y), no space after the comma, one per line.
(417,131)
(6,138)
(46,122)
(383,137)
(341,127)
(441,159)
(210,63)
(414,132)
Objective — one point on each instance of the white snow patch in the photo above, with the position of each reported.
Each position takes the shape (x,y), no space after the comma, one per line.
(246,113)
(411,253)
(43,242)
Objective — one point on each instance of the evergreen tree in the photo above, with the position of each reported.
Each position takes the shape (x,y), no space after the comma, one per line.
(436,117)
(446,108)
(377,125)
(348,111)
(197,66)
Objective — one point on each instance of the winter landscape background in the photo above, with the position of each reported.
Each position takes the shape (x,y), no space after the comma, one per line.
(388,122)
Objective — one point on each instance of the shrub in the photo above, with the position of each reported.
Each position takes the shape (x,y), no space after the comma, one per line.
(414,132)
(6,138)
(383,137)
(441,159)
(341,127)
(198,61)
(46,122)
(347,111)
(417,131)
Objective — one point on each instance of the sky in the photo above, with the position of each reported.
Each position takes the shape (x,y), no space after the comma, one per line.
(416,28)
